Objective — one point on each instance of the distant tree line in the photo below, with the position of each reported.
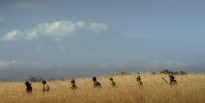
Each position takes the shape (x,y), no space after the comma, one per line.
(166,71)
(38,79)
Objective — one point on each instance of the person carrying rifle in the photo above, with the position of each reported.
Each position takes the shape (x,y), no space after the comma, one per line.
(45,86)
(139,82)
(28,87)
(73,85)
(172,80)
(112,82)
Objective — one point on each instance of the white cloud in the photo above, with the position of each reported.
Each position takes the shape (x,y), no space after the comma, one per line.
(4,65)
(170,64)
(97,27)
(81,24)
(7,64)
(42,47)
(12,35)
(56,30)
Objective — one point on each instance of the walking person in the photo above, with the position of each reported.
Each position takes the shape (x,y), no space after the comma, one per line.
(172,80)
(112,82)
(139,82)
(45,86)
(73,85)
(28,87)
(96,83)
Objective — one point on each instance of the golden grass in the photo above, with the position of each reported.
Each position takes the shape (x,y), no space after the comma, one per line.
(190,89)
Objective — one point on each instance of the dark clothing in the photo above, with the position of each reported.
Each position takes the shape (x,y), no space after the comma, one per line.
(138,78)
(97,84)
(28,87)
(172,80)
(74,86)
(139,82)
(113,84)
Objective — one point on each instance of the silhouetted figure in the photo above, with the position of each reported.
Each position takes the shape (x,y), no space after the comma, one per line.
(139,82)
(96,83)
(28,87)
(172,80)
(113,84)
(45,86)
(73,85)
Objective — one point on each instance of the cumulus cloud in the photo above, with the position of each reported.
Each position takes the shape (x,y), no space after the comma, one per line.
(170,64)
(56,30)
(50,47)
(97,27)
(5,65)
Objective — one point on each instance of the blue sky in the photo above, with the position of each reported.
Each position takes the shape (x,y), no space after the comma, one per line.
(74,38)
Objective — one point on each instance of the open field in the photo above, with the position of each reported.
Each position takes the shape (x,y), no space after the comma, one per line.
(190,89)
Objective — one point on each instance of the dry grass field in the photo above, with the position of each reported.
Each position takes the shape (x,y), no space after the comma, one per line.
(190,89)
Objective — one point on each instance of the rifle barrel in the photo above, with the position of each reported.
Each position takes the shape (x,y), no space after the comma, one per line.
(165,80)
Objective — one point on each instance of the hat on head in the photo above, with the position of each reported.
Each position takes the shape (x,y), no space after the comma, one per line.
(94,78)
(44,81)
(138,78)
(72,81)
(111,79)
(27,83)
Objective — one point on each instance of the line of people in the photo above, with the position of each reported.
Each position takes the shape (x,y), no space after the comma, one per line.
(96,84)
(29,87)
